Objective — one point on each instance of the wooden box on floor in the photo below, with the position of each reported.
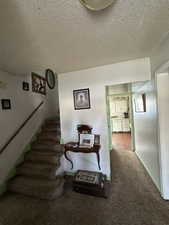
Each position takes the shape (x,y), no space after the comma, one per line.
(91,183)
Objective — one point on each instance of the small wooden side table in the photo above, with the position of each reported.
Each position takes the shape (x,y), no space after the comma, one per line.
(70,147)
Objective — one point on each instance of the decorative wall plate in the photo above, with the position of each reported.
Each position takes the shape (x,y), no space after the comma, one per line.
(96,5)
(50,78)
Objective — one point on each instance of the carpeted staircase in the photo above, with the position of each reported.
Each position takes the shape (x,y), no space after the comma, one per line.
(36,176)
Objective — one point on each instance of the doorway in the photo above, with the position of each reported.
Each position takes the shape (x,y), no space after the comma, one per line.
(120,116)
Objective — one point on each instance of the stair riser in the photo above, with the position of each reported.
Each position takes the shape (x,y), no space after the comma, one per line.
(43,154)
(43,159)
(49,138)
(47,130)
(52,122)
(47,143)
(46,148)
(50,176)
(51,125)
(51,133)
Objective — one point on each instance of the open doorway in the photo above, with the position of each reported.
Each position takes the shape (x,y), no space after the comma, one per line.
(121,129)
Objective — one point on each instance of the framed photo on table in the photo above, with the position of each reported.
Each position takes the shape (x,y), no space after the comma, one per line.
(81,99)
(86,140)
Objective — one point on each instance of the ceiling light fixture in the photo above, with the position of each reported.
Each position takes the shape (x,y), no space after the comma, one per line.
(96,5)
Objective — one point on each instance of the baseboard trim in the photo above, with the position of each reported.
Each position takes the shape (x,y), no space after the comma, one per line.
(148,171)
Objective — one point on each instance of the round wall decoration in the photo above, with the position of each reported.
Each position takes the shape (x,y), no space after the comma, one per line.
(50,78)
(97,5)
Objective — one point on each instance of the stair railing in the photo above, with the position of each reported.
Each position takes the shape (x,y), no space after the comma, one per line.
(20,128)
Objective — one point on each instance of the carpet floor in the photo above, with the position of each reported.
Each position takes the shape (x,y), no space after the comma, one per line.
(133,200)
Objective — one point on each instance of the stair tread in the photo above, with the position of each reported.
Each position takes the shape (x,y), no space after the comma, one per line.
(43,146)
(52,133)
(46,143)
(41,188)
(42,159)
(49,134)
(46,174)
(29,181)
(52,123)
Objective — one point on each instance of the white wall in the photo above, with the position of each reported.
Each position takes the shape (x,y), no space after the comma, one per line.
(163,109)
(52,99)
(23,103)
(95,79)
(145,124)
(159,64)
(160,55)
(118,89)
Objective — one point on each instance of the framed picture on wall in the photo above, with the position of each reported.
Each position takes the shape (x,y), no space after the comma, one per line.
(25,86)
(81,99)
(97,139)
(140,103)
(6,104)
(38,84)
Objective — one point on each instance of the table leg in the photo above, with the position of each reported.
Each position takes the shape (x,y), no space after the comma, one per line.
(98,160)
(65,154)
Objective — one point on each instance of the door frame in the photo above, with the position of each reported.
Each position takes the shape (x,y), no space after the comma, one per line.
(127,94)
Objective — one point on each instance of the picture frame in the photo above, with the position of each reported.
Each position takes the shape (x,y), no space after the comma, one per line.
(140,103)
(97,139)
(38,84)
(86,140)
(25,86)
(81,99)
(6,104)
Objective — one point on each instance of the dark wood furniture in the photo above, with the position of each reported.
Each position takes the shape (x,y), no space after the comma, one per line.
(91,183)
(73,147)
(83,129)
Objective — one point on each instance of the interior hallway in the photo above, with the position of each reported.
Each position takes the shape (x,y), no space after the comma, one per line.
(133,200)
(121,141)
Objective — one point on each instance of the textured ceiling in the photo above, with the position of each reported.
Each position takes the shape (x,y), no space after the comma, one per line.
(65,36)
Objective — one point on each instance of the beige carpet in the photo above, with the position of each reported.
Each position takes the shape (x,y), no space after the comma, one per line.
(133,201)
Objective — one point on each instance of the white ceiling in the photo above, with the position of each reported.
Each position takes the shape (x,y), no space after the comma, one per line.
(65,36)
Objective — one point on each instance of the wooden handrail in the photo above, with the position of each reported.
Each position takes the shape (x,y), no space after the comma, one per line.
(19,129)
